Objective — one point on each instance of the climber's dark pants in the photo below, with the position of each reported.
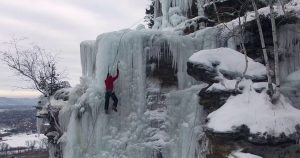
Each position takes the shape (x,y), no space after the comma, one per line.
(109,94)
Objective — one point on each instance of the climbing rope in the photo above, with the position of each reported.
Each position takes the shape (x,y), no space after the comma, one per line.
(118,48)
(119,43)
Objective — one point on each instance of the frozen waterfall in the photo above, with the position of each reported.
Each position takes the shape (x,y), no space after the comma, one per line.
(289,45)
(152,121)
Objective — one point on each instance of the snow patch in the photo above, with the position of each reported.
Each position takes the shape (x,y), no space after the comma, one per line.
(19,140)
(238,154)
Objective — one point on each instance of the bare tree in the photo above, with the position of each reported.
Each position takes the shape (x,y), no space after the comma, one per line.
(239,33)
(282,3)
(263,45)
(34,64)
(276,95)
(216,10)
(38,66)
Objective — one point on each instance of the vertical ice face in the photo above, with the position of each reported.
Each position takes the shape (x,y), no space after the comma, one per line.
(129,49)
(165,5)
(170,129)
(185,5)
(289,45)
(200,4)
(87,53)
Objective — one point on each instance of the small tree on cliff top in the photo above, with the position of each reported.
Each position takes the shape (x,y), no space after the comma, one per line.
(34,64)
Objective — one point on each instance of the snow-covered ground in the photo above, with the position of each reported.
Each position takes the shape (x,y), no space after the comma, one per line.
(20,140)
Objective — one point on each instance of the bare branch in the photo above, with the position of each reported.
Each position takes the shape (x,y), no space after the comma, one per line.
(34,64)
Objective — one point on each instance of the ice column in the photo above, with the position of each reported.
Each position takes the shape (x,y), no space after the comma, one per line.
(289,45)
(88,54)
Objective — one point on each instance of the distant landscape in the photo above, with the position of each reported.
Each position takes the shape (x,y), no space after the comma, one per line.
(18,134)
(17,115)
(13,102)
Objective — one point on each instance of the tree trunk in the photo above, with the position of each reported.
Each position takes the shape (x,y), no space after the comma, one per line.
(262,40)
(216,10)
(276,95)
(244,50)
(282,6)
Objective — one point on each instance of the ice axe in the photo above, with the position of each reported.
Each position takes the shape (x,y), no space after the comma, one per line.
(118,64)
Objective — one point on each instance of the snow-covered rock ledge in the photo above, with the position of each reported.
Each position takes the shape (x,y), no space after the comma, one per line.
(252,115)
(212,65)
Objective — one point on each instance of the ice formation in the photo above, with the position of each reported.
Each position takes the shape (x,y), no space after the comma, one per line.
(165,9)
(133,50)
(291,88)
(144,126)
(87,53)
(289,44)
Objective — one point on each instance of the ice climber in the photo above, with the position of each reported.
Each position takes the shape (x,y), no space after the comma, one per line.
(109,83)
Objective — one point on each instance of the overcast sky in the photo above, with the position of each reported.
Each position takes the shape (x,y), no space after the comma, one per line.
(59,26)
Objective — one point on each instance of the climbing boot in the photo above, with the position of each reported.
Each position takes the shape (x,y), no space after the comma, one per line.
(115,109)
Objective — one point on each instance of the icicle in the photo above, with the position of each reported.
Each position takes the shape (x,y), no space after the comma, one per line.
(185,5)
(289,46)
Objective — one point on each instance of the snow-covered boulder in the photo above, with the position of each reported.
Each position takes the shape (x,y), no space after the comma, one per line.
(212,65)
(216,94)
(254,114)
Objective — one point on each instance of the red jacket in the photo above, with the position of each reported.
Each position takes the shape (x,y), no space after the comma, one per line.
(109,82)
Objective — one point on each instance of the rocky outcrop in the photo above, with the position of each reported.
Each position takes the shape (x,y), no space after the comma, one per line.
(202,72)
(197,23)
(210,75)
(229,9)
(214,65)
(214,99)
(223,144)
